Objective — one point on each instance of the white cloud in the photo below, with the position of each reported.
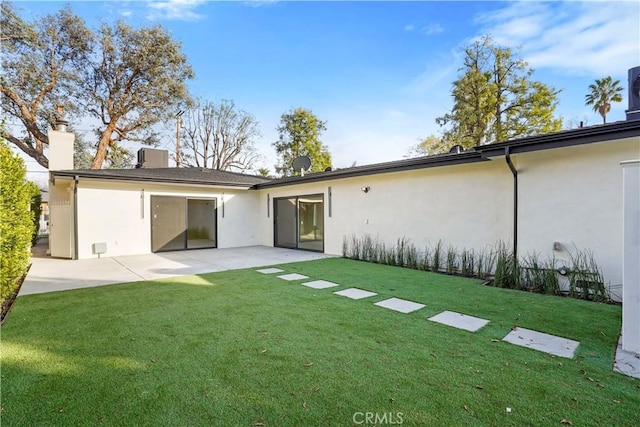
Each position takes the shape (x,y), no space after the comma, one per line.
(181,10)
(375,133)
(578,38)
(396,114)
(426,30)
(261,3)
(438,74)
(432,29)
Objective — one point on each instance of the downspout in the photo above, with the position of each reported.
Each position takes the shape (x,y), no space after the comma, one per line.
(514,171)
(75,217)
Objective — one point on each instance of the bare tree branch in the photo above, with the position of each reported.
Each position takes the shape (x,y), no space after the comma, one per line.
(218,136)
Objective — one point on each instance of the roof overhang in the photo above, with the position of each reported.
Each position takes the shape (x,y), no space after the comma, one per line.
(379,168)
(569,138)
(87,175)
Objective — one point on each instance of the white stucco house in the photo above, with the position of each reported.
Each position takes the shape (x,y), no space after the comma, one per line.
(561,188)
(545,194)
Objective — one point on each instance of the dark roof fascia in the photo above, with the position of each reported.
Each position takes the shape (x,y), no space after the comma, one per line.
(99,176)
(378,168)
(569,138)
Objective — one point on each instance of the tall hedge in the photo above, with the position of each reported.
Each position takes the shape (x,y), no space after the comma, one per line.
(16,220)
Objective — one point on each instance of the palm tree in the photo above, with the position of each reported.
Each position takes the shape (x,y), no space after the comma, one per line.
(603,93)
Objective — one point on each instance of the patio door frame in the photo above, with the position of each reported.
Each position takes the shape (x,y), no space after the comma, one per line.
(185,202)
(296,220)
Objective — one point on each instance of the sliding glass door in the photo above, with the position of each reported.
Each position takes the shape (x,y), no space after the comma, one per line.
(179,223)
(299,222)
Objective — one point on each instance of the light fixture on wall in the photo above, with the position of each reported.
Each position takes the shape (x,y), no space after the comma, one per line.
(365,189)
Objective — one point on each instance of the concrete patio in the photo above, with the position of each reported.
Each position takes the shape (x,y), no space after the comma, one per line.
(50,274)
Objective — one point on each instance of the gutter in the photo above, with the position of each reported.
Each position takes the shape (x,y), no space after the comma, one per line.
(76,179)
(565,138)
(514,172)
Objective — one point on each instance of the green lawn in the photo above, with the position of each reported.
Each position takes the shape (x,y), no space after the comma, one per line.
(242,348)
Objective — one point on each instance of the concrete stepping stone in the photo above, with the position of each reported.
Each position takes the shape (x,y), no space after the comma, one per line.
(320,284)
(401,305)
(270,270)
(355,293)
(459,320)
(551,344)
(292,276)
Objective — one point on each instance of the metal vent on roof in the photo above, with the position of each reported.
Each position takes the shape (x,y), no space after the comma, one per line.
(456,149)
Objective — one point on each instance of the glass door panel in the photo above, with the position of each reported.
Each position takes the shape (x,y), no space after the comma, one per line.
(299,222)
(201,220)
(311,223)
(168,223)
(285,222)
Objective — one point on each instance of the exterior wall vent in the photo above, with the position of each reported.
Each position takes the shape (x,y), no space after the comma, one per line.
(152,158)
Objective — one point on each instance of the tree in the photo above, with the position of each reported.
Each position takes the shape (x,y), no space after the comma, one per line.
(119,157)
(430,145)
(40,63)
(495,99)
(219,136)
(128,79)
(603,93)
(13,27)
(137,81)
(264,172)
(82,152)
(299,135)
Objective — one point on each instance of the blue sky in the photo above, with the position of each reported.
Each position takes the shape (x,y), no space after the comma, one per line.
(378,73)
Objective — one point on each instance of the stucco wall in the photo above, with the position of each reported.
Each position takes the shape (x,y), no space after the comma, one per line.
(113,213)
(573,196)
(570,195)
(465,206)
(61,237)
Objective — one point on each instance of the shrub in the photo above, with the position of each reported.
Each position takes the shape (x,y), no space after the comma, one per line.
(15,221)
(468,262)
(497,263)
(539,276)
(585,278)
(507,272)
(436,257)
(452,263)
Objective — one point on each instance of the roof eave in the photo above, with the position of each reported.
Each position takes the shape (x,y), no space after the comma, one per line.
(73,174)
(589,135)
(390,167)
